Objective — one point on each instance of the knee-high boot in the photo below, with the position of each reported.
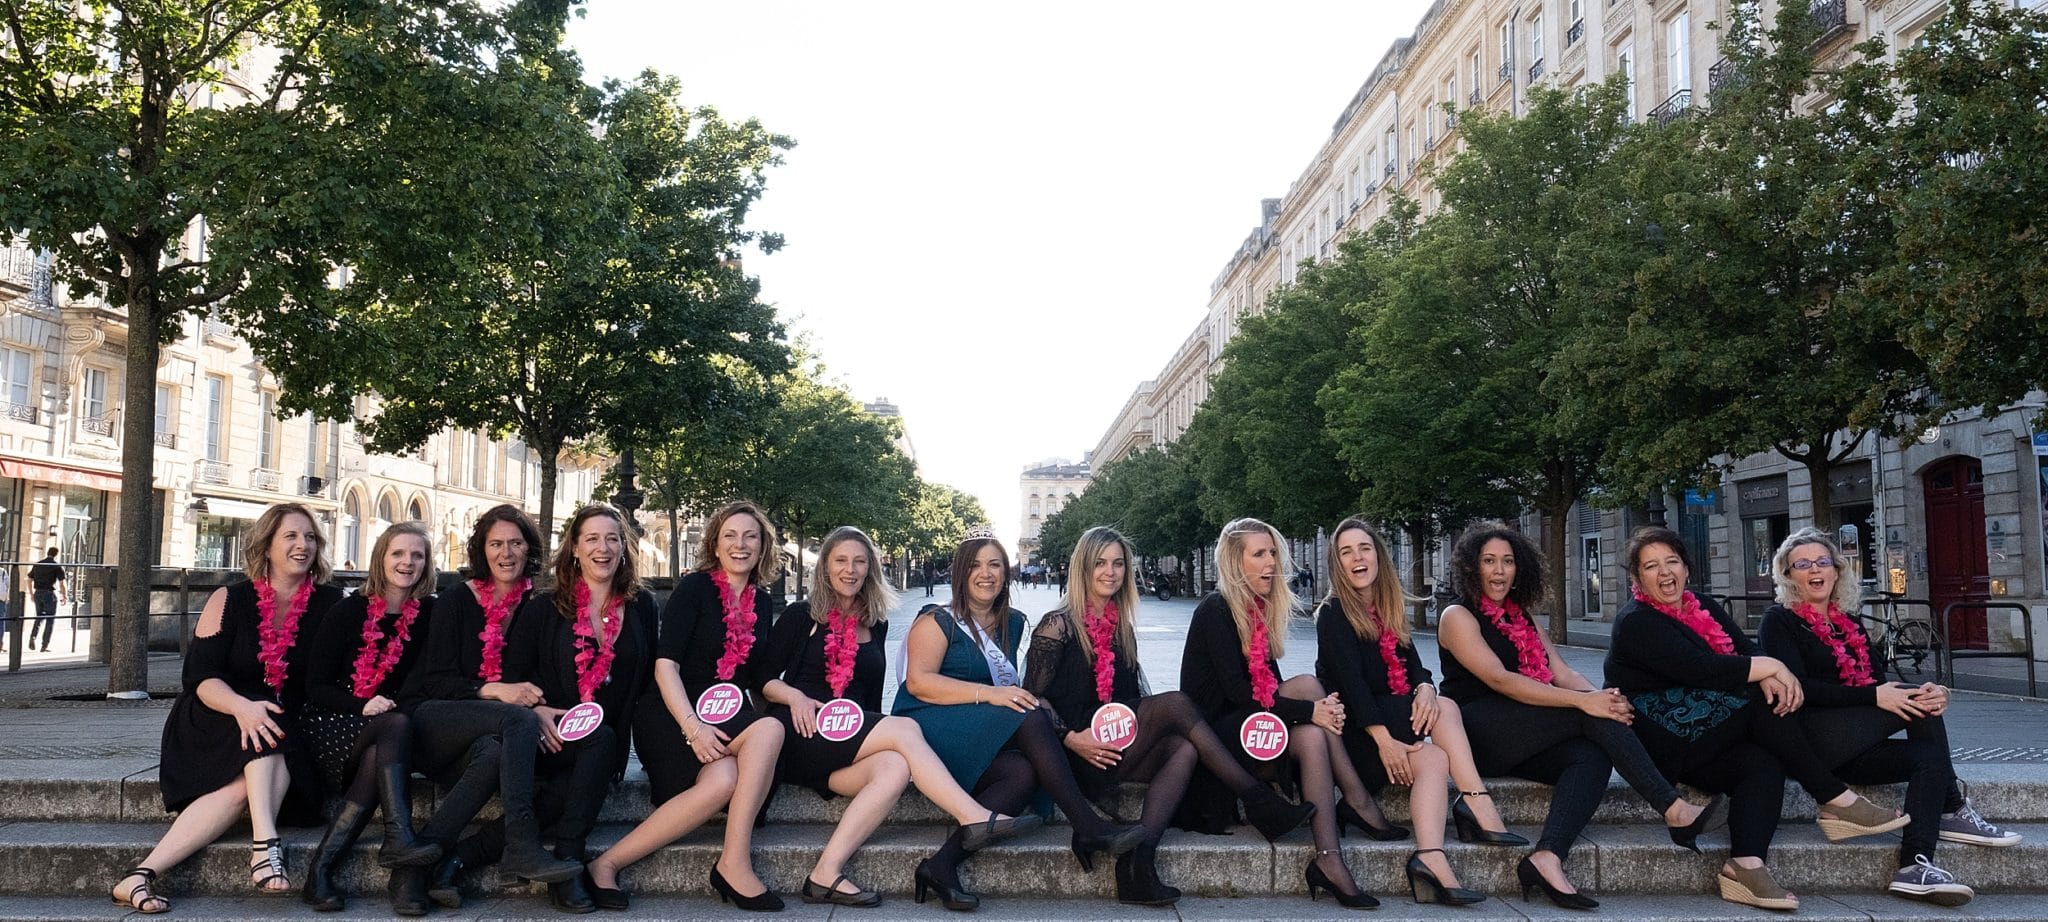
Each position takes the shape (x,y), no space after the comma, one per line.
(319,891)
(401,848)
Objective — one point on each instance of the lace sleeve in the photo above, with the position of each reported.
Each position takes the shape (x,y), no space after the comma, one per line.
(1042,661)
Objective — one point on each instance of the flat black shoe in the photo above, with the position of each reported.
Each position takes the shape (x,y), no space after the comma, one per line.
(569,896)
(1137,882)
(1346,816)
(1274,816)
(1714,816)
(814,892)
(950,894)
(765,901)
(605,897)
(979,835)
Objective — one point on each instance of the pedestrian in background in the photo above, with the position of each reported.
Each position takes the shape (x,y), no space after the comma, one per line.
(50,589)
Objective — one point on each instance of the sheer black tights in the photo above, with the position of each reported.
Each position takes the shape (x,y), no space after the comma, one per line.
(1034,758)
(386,740)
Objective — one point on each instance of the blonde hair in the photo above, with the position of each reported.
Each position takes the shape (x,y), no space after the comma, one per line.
(256,550)
(767,564)
(1237,590)
(1081,580)
(378,581)
(1385,595)
(875,598)
(1848,586)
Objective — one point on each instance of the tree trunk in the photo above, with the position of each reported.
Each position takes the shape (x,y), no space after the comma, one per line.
(1554,568)
(550,462)
(1816,461)
(1417,540)
(675,554)
(128,666)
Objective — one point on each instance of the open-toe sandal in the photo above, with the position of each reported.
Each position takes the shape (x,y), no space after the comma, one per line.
(141,897)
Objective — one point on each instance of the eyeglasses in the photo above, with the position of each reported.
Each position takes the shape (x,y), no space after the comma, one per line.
(1815,562)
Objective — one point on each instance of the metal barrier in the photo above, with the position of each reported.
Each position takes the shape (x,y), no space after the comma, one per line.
(1748,617)
(1949,654)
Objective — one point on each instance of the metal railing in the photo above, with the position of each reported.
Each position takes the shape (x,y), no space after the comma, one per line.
(1673,109)
(207,470)
(1535,70)
(1474,98)
(166,439)
(1949,654)
(24,412)
(1576,32)
(265,479)
(1507,70)
(1831,17)
(101,425)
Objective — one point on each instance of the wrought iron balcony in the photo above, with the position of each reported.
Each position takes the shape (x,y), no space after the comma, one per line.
(1576,32)
(1474,98)
(207,470)
(216,330)
(1450,121)
(1429,143)
(101,425)
(1831,17)
(1507,70)
(265,479)
(1535,70)
(25,412)
(1389,171)
(1673,109)
(1723,75)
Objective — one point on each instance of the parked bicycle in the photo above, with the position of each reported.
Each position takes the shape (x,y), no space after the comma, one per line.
(1907,646)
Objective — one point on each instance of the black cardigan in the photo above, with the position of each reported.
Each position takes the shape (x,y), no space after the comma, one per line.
(542,650)
(330,677)
(1057,670)
(1652,651)
(1216,674)
(1788,637)
(693,634)
(796,655)
(451,665)
(1351,666)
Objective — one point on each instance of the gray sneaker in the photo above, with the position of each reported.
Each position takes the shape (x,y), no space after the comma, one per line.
(1970,828)
(1921,880)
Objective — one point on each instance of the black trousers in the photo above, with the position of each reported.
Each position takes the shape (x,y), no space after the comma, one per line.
(1734,744)
(1857,743)
(475,748)
(1567,748)
(46,619)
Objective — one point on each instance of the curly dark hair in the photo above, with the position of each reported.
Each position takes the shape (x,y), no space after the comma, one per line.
(1528,585)
(480,562)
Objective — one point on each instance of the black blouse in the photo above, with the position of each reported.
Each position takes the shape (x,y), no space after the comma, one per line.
(1216,674)
(1463,685)
(693,633)
(1058,672)
(232,654)
(1351,666)
(331,683)
(1652,651)
(451,665)
(796,655)
(1788,637)
(542,650)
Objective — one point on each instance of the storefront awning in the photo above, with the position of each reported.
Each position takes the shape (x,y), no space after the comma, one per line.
(51,473)
(230,508)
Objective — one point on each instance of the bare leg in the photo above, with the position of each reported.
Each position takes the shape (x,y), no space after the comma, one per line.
(201,822)
(1345,775)
(1449,735)
(266,780)
(1428,804)
(670,821)
(874,782)
(756,749)
(904,737)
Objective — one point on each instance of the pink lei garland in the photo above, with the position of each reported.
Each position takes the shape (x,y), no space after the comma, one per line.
(497,610)
(1390,653)
(373,666)
(1102,639)
(1264,683)
(739,624)
(1851,648)
(842,642)
(274,639)
(594,655)
(1507,617)
(1690,614)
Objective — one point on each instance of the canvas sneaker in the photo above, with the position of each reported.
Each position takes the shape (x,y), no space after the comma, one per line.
(1921,880)
(1967,826)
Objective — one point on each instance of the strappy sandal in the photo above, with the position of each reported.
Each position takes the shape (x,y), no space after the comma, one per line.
(269,856)
(141,897)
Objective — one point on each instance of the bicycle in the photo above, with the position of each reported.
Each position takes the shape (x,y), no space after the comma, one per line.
(1907,646)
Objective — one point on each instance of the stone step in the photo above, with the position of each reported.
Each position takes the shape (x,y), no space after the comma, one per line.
(126,792)
(78,859)
(521,908)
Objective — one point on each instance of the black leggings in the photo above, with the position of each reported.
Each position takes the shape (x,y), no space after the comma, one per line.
(1033,758)
(386,740)
(463,744)
(1568,749)
(1856,741)
(1747,756)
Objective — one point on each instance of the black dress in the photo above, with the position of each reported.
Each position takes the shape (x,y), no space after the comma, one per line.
(334,713)
(202,750)
(1216,674)
(796,655)
(542,650)
(1058,672)
(693,637)
(1352,667)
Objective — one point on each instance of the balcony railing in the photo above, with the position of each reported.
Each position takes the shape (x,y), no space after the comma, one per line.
(166,439)
(1723,75)
(265,479)
(1963,160)
(25,412)
(1831,17)
(1371,189)
(101,425)
(1673,109)
(1535,70)
(207,470)
(1576,32)
(1474,98)
(1507,70)
(216,330)
(1450,121)
(1389,171)
(1411,166)
(1429,144)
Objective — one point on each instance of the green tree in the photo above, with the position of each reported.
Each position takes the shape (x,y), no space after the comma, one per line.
(938,521)
(115,151)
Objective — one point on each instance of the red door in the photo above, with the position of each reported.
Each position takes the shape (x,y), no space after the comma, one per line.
(1957,566)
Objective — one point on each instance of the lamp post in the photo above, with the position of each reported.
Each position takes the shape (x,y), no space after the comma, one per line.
(629,497)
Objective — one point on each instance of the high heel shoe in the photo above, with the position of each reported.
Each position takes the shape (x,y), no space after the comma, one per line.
(1419,874)
(1346,816)
(1317,880)
(1532,879)
(1469,829)
(765,901)
(1713,816)
(950,894)
(1274,816)
(1118,840)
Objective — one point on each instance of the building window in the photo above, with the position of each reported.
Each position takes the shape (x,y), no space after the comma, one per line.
(166,410)
(1678,53)
(1535,46)
(1475,75)
(312,446)
(95,396)
(14,369)
(266,431)
(1507,49)
(1625,62)
(216,417)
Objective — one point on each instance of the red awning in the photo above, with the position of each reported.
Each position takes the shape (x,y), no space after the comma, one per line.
(51,473)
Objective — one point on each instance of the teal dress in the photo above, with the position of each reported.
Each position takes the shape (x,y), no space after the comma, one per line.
(966,736)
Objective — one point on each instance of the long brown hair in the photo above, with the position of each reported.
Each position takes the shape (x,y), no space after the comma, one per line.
(1081,581)
(875,597)
(378,580)
(767,563)
(1385,595)
(568,572)
(963,568)
(256,550)
(1237,591)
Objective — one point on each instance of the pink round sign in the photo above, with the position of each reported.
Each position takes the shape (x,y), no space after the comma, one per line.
(840,719)
(581,721)
(719,703)
(1263,736)
(1114,725)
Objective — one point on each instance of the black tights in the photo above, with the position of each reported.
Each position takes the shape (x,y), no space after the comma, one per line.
(1034,758)
(386,740)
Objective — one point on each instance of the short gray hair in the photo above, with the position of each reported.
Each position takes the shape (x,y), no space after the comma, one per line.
(1848,585)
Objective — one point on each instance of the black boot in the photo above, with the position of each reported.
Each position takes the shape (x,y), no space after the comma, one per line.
(1272,815)
(446,887)
(319,891)
(1137,880)
(401,849)
(570,895)
(409,891)
(523,856)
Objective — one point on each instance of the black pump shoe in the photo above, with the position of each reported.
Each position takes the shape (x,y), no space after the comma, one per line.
(1274,816)
(1714,816)
(815,892)
(569,896)
(1347,816)
(1532,879)
(1119,840)
(1422,880)
(950,894)
(1317,880)
(1469,829)
(765,901)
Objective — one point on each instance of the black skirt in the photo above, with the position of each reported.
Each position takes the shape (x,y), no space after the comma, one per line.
(810,762)
(671,764)
(1365,754)
(332,738)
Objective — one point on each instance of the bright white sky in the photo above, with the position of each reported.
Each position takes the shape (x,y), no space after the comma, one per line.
(1002,218)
